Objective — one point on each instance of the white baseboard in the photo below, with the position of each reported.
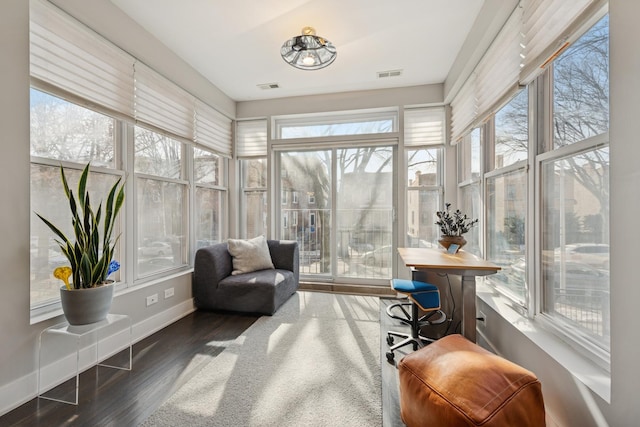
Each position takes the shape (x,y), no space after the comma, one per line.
(25,388)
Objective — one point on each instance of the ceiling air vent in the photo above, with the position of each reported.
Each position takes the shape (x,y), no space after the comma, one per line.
(390,73)
(267,86)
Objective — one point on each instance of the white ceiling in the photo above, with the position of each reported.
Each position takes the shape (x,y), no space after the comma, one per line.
(236,44)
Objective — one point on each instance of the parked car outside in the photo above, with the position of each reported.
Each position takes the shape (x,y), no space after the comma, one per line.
(570,275)
(156,249)
(151,265)
(380,257)
(594,254)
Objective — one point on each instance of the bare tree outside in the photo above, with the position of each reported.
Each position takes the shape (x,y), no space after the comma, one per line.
(575,186)
(62,132)
(363,211)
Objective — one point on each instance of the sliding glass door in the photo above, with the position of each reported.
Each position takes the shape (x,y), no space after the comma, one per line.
(338,204)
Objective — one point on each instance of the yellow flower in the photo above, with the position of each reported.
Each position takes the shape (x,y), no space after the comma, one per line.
(63,274)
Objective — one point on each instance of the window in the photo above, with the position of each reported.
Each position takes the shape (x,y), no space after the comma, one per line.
(210,197)
(469,157)
(254,197)
(62,131)
(506,212)
(350,123)
(424,189)
(469,191)
(161,196)
(361,215)
(506,198)
(294,197)
(424,137)
(581,88)
(511,143)
(570,278)
(575,194)
(307,171)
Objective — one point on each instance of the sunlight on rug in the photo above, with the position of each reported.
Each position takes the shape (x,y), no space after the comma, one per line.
(316,362)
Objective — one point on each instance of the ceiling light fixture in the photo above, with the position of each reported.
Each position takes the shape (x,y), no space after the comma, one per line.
(308,51)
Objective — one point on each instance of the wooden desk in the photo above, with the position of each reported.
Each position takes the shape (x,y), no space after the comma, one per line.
(463,264)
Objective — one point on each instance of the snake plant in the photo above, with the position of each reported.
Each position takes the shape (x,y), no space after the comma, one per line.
(91,252)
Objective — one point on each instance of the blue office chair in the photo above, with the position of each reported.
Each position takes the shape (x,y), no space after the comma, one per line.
(422,296)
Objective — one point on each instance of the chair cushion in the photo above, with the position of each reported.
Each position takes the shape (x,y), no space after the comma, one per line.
(410,286)
(249,255)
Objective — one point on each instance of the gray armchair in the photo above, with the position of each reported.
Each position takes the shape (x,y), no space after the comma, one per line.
(264,291)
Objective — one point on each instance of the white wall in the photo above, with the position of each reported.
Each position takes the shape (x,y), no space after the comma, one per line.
(405,96)
(16,336)
(625,209)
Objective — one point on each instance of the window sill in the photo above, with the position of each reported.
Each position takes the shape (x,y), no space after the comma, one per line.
(587,372)
(54,309)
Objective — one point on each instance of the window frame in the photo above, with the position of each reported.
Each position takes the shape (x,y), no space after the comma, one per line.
(540,151)
(185,183)
(221,187)
(47,309)
(493,171)
(438,188)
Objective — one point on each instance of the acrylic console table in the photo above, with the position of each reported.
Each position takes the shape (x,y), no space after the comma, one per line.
(56,341)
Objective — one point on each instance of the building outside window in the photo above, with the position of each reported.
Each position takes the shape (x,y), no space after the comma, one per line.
(210,197)
(424,138)
(253,197)
(424,196)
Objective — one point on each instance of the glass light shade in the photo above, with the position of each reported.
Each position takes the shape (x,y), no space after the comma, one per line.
(308,51)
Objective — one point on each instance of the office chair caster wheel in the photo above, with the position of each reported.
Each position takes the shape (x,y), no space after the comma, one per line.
(390,357)
(389,340)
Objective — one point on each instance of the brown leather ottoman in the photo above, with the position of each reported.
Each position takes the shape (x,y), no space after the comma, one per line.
(454,382)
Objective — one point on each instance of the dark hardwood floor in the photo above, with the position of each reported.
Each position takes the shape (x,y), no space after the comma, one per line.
(162,362)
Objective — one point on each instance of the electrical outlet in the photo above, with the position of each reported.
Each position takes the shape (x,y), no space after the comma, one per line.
(168,293)
(152,299)
(482,319)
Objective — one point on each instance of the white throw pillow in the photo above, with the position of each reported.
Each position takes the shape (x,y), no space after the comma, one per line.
(250,255)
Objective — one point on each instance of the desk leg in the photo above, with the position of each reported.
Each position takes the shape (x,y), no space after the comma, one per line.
(469,308)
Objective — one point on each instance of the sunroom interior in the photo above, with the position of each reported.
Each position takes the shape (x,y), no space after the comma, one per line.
(518,135)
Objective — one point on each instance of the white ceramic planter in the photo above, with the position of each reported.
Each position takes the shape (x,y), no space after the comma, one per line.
(84,306)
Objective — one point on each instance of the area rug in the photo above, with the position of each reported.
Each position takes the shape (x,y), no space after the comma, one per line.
(316,362)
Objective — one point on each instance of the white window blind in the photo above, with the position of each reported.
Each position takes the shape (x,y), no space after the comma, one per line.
(70,56)
(498,71)
(251,138)
(546,24)
(212,129)
(162,104)
(495,77)
(464,109)
(424,126)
